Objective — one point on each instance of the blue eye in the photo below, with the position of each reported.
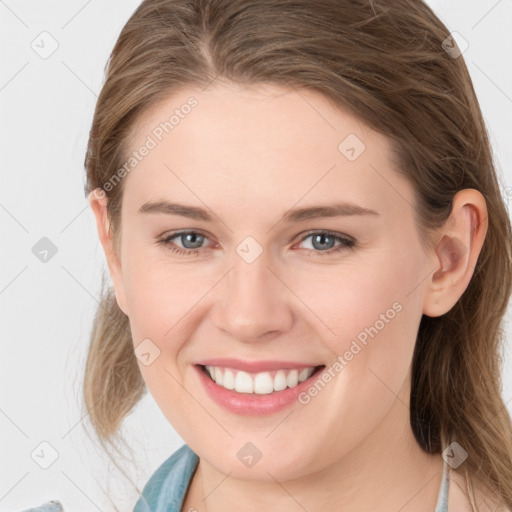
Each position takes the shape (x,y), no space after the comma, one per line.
(190,237)
(320,240)
(320,237)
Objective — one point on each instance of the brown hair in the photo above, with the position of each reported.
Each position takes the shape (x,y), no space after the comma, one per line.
(384,62)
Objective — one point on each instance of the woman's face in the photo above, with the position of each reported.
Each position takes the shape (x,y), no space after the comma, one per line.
(277,175)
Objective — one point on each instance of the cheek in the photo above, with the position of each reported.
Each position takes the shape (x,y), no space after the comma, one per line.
(158,293)
(372,310)
(156,302)
(158,305)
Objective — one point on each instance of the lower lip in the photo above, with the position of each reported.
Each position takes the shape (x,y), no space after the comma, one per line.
(252,404)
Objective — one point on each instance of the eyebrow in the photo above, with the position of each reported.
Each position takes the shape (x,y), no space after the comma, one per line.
(293,215)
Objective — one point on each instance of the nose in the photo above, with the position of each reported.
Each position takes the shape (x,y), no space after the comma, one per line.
(253,303)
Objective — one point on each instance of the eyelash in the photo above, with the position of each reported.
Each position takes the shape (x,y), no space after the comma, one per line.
(346,243)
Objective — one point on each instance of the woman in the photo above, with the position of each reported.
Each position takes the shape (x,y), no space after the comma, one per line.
(310,258)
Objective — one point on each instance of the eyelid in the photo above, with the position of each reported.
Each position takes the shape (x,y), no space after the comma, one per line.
(327,232)
(176,234)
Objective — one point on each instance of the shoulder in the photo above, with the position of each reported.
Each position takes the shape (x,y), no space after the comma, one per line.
(49,506)
(169,482)
(459,496)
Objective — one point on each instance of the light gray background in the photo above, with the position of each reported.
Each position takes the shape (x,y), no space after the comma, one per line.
(47,308)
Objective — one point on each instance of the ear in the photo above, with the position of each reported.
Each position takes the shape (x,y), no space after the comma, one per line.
(460,241)
(98,203)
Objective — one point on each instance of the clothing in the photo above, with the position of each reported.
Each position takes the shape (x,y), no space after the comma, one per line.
(49,506)
(442,497)
(165,491)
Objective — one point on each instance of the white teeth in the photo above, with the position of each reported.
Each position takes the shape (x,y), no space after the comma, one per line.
(229,380)
(243,383)
(260,383)
(263,384)
(293,378)
(218,375)
(305,374)
(280,381)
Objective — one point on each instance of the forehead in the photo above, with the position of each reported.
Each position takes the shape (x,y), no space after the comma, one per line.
(261,145)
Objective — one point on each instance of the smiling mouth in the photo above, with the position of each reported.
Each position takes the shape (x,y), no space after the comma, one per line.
(260,383)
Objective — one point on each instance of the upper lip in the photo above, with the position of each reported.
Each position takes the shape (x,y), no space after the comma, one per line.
(254,366)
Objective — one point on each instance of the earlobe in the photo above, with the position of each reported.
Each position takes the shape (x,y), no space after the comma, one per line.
(98,203)
(460,242)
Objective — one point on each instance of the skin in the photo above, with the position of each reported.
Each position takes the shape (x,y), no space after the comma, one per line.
(250,155)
